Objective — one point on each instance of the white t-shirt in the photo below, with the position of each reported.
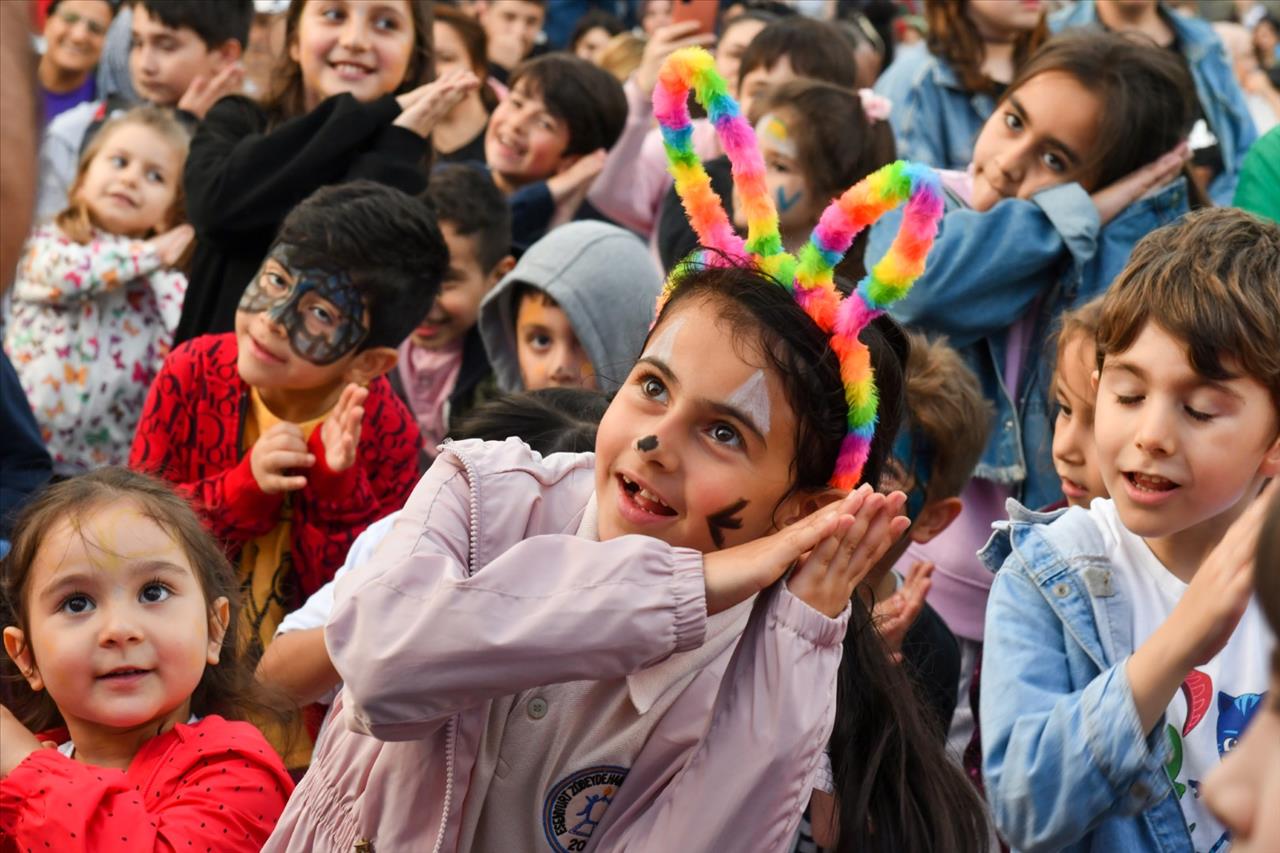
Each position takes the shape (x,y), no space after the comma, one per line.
(1207,716)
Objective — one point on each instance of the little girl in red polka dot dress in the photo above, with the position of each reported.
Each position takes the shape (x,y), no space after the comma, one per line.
(116,604)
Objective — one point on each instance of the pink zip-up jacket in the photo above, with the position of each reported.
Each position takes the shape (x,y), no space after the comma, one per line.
(483,589)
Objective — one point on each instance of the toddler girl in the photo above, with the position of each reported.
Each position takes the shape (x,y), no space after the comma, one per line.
(353,102)
(117,605)
(1074,454)
(96,298)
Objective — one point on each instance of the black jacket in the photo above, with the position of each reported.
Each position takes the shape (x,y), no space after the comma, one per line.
(241,181)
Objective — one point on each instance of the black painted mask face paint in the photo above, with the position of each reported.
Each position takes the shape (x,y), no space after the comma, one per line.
(726,519)
(648,444)
(322,312)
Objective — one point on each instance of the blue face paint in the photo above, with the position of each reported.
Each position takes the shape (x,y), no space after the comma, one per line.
(784,204)
(322,312)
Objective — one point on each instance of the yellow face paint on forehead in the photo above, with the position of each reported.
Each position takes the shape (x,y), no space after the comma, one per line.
(772,131)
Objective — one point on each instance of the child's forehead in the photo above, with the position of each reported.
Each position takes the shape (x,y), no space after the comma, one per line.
(109,536)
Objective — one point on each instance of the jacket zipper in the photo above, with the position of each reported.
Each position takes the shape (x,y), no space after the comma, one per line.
(451,727)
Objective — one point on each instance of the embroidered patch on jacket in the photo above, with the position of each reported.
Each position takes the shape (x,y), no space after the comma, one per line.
(576,805)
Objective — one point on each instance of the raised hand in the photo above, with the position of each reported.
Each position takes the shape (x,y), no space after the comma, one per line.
(340,432)
(205,91)
(171,245)
(1112,199)
(664,42)
(827,576)
(278,451)
(421,108)
(735,574)
(895,615)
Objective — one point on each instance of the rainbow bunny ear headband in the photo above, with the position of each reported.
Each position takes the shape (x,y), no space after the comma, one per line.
(810,276)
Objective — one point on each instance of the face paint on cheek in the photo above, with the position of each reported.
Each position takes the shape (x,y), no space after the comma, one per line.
(752,399)
(786,202)
(726,519)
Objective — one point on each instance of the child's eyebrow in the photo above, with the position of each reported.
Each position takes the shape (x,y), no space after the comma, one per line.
(74,579)
(1052,140)
(1197,381)
(715,405)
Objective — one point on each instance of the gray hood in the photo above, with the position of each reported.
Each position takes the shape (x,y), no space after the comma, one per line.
(605,280)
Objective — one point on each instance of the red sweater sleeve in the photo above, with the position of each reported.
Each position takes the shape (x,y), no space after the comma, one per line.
(231,502)
(335,507)
(216,784)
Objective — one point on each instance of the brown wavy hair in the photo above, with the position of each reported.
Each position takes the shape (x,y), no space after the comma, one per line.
(76,221)
(226,688)
(953,36)
(289,98)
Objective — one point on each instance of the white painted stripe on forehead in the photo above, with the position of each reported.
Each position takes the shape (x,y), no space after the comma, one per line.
(752,399)
(663,346)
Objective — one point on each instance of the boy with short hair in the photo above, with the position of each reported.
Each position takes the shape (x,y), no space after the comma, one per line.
(573,312)
(937,447)
(284,432)
(545,141)
(442,365)
(511,29)
(185,55)
(1124,656)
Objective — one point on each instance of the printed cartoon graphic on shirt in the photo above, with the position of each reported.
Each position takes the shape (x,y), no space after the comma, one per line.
(576,804)
(1234,714)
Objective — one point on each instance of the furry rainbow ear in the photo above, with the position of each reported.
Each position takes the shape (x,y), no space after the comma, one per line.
(811,276)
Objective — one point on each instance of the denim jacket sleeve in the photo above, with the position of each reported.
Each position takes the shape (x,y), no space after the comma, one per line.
(986,269)
(1059,754)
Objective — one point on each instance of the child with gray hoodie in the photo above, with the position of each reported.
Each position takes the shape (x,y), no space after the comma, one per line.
(573,312)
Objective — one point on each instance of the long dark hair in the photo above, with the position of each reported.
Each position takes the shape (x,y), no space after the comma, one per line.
(954,37)
(895,788)
(226,688)
(1147,95)
(288,100)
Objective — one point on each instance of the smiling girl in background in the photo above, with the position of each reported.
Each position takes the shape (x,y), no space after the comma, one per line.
(116,603)
(353,102)
(96,298)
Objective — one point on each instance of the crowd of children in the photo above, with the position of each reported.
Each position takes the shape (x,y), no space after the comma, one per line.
(803,440)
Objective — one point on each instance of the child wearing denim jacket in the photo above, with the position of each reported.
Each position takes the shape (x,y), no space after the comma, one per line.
(1080,160)
(1128,655)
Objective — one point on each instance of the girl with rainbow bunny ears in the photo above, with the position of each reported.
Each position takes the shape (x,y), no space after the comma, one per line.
(606,651)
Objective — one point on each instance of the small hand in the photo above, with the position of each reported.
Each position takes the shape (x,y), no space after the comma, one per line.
(421,108)
(827,577)
(578,177)
(206,91)
(895,615)
(171,244)
(16,742)
(735,574)
(340,432)
(665,41)
(1207,614)
(1112,199)
(276,452)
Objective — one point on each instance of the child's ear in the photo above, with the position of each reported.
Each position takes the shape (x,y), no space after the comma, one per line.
(229,51)
(369,364)
(805,503)
(219,619)
(19,651)
(1093,381)
(1270,467)
(934,518)
(500,269)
